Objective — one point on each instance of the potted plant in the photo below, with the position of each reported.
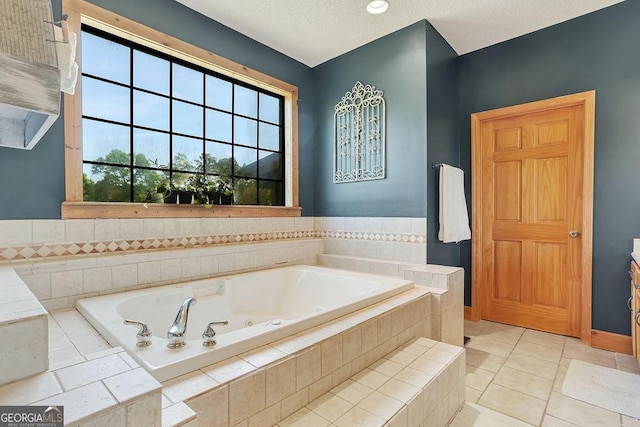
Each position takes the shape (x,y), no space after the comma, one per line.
(198,185)
(173,191)
(220,192)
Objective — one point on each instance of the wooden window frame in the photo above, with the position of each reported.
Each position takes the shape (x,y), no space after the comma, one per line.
(79,12)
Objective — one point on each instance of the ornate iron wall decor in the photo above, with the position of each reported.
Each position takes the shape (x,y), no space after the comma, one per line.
(359,135)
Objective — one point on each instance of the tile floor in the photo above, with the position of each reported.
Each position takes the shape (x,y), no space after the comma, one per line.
(519,373)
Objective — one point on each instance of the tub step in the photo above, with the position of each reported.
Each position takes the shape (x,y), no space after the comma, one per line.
(421,380)
(178,415)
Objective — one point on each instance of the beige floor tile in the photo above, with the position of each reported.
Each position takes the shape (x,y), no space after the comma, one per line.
(482,359)
(479,416)
(524,382)
(520,372)
(500,336)
(626,362)
(477,378)
(471,394)
(494,326)
(538,351)
(473,329)
(329,406)
(486,344)
(304,418)
(359,417)
(630,422)
(513,403)
(579,351)
(580,413)
(562,372)
(532,365)
(550,421)
(544,338)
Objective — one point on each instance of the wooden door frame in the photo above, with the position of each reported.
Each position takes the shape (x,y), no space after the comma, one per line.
(587,100)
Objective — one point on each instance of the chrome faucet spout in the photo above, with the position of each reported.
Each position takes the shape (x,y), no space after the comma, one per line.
(177,331)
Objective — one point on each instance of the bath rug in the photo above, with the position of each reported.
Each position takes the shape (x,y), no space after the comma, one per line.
(607,388)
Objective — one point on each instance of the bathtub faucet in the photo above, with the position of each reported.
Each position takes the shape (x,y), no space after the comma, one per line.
(177,331)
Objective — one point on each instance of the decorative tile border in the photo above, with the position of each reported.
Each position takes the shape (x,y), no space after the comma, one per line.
(30,252)
(36,251)
(379,237)
(48,251)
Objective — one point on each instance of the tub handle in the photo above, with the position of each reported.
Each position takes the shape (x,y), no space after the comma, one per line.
(143,335)
(209,335)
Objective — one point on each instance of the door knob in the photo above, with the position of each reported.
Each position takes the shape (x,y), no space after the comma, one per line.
(573,233)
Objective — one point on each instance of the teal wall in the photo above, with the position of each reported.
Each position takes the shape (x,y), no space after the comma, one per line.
(33,181)
(442,137)
(395,64)
(596,51)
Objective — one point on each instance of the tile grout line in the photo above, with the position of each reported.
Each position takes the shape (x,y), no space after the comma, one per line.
(546,405)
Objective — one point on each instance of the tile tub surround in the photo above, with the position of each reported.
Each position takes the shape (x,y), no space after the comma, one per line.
(447,291)
(428,385)
(42,239)
(279,378)
(266,385)
(114,255)
(63,260)
(392,239)
(58,284)
(23,328)
(446,285)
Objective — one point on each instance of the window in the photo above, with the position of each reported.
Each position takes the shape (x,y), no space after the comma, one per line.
(157,128)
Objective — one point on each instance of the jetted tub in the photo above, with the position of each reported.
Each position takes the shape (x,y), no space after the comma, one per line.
(261,307)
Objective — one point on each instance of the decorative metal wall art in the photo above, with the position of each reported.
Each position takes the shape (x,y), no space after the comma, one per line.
(359,135)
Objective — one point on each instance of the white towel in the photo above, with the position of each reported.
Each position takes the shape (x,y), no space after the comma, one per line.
(454,221)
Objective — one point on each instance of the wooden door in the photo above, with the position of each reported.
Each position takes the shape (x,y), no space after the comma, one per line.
(531,218)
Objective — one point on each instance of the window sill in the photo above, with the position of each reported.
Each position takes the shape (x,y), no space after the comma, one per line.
(90,210)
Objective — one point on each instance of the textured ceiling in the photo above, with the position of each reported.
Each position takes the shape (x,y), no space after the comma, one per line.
(313,31)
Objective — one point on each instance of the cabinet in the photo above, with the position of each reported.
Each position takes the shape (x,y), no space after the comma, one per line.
(635,308)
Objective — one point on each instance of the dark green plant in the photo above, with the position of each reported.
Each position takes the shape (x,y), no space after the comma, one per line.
(199,184)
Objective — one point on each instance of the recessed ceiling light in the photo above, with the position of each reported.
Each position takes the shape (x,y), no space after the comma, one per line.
(377,7)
